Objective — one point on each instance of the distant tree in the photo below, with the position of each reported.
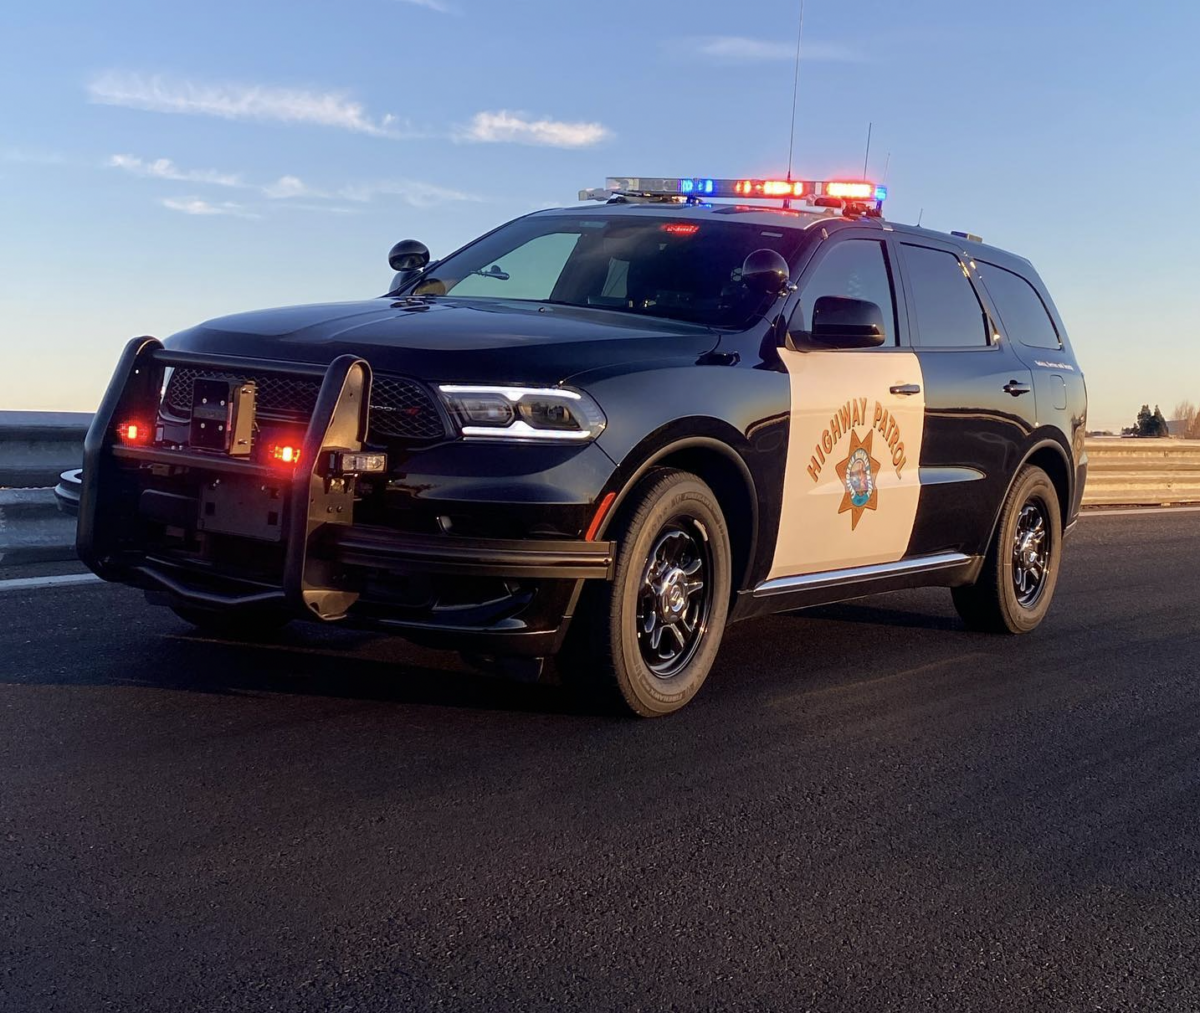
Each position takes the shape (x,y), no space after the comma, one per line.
(1145,422)
(1189,420)
(1185,412)
(1161,429)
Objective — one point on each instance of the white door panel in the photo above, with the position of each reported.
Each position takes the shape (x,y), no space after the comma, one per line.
(851,484)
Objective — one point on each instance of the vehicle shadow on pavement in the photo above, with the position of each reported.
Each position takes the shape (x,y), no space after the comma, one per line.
(346,665)
(867,611)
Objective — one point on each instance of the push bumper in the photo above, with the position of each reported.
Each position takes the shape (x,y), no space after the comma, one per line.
(485,595)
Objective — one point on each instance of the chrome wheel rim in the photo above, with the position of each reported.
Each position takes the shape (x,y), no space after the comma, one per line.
(674,600)
(1030,554)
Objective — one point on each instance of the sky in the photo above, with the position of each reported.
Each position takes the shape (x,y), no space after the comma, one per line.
(162,163)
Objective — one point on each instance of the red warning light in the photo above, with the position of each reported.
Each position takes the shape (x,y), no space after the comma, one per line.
(133,432)
(681,228)
(285,453)
(769,188)
(850,190)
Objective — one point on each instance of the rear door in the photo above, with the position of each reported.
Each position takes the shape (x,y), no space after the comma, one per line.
(855,429)
(979,402)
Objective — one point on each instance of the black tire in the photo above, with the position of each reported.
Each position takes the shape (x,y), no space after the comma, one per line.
(260,624)
(1020,572)
(671,536)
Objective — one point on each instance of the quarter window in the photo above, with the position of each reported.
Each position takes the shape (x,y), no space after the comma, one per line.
(1021,309)
(855,269)
(949,314)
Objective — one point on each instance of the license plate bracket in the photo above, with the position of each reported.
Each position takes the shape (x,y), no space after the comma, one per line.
(223,416)
(243,507)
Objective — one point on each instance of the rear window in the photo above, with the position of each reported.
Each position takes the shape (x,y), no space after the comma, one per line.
(949,314)
(686,269)
(1021,309)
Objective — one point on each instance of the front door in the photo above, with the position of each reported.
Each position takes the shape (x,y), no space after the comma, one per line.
(851,486)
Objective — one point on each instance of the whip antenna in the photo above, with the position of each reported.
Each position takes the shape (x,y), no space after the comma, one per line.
(795,90)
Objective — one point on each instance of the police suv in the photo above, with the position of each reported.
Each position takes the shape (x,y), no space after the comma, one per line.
(606,431)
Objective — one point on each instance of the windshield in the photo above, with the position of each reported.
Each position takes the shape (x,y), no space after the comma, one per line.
(658,267)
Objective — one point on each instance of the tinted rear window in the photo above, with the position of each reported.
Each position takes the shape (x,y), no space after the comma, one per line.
(949,314)
(1022,312)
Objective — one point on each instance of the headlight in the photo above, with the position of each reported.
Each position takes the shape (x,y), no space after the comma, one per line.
(523,413)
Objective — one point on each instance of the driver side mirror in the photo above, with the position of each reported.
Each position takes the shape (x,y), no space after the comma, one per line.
(839,322)
(408,258)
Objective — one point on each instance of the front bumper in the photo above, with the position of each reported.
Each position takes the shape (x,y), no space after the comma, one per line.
(142,522)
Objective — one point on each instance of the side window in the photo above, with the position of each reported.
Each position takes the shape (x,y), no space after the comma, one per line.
(1021,309)
(855,269)
(949,314)
(529,272)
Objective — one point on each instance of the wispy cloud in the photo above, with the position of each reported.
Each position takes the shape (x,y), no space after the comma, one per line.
(198,206)
(164,168)
(240,102)
(743,49)
(518,128)
(413,192)
(287,187)
(432,5)
(287,190)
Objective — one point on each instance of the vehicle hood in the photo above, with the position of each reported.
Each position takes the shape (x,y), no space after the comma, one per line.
(451,341)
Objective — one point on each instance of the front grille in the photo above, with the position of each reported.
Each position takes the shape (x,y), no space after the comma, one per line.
(400,408)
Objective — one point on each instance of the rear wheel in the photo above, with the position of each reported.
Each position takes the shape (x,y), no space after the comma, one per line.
(646,641)
(1016,584)
(256,625)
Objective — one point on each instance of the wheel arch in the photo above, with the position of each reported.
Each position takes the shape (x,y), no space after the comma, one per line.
(716,462)
(1053,458)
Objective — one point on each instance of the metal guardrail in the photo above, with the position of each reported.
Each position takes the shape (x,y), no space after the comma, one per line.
(36,447)
(40,453)
(1134,472)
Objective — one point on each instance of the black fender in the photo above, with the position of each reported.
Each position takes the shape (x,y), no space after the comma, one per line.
(697,444)
(1045,441)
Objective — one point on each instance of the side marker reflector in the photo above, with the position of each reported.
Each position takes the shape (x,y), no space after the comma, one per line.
(598,519)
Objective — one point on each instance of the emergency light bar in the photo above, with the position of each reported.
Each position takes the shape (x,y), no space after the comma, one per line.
(777,189)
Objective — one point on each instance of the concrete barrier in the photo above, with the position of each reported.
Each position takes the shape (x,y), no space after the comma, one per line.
(1136,472)
(36,447)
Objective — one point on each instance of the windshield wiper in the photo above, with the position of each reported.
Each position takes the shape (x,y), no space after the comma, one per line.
(494,272)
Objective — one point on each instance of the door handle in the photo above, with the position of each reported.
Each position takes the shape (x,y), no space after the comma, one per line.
(905,388)
(1016,389)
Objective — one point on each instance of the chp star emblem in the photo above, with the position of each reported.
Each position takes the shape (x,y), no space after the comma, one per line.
(858,475)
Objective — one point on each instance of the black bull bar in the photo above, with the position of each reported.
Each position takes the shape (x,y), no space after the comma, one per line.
(317,501)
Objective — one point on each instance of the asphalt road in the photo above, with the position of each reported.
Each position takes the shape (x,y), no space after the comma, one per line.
(866,809)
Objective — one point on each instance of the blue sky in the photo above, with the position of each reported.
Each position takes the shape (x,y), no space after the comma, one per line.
(161,163)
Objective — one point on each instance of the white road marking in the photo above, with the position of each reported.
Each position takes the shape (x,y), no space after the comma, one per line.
(65,580)
(1133,511)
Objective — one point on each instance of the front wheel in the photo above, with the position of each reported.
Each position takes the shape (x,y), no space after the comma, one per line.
(646,641)
(1016,584)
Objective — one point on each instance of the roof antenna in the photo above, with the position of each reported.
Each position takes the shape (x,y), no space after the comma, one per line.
(887,164)
(867,156)
(795,93)
(919,217)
